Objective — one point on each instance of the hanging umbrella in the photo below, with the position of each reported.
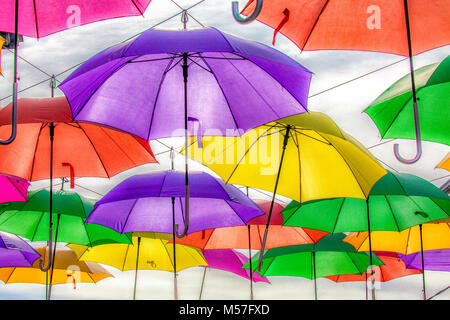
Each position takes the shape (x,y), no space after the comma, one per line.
(150,251)
(399,27)
(445,163)
(16,252)
(393,117)
(229,260)
(30,219)
(393,268)
(300,157)
(329,256)
(23,17)
(67,270)
(436,260)
(429,236)
(224,84)
(13,189)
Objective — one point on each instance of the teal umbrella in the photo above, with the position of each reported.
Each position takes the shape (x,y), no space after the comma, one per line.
(329,256)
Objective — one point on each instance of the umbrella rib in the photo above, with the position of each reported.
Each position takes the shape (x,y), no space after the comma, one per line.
(35,149)
(354,263)
(314,25)
(35,19)
(139,9)
(117,145)
(337,216)
(37,225)
(221,89)
(15,187)
(441,209)
(392,212)
(168,254)
(125,256)
(157,95)
(129,213)
(297,142)
(10,275)
(93,147)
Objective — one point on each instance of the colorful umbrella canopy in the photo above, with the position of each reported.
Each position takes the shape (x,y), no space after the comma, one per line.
(329,256)
(445,163)
(394,117)
(146,203)
(16,252)
(13,189)
(80,149)
(435,236)
(67,270)
(369,25)
(317,154)
(231,84)
(238,237)
(150,251)
(396,202)
(34,16)
(30,219)
(393,268)
(436,260)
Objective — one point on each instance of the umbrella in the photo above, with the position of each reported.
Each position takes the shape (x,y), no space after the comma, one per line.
(13,189)
(394,119)
(30,219)
(16,252)
(22,17)
(412,240)
(2,42)
(436,260)
(393,268)
(329,256)
(229,260)
(224,84)
(310,148)
(67,270)
(445,163)
(76,149)
(399,27)
(150,251)
(251,236)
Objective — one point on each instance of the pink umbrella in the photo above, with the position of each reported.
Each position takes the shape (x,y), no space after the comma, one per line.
(37,19)
(13,189)
(229,260)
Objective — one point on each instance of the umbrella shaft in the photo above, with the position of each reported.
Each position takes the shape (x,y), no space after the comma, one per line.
(370,247)
(137,266)
(423,263)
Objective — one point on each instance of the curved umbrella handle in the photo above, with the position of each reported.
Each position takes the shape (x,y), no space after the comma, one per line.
(250,18)
(14,118)
(50,255)
(186,215)
(418,141)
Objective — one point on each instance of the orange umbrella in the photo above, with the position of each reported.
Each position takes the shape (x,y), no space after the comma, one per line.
(445,163)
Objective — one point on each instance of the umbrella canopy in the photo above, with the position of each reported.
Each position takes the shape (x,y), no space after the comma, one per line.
(435,260)
(80,149)
(35,21)
(393,268)
(30,219)
(143,203)
(435,236)
(155,254)
(13,189)
(67,269)
(392,112)
(16,252)
(445,163)
(224,82)
(317,154)
(396,202)
(232,261)
(332,257)
(370,25)
(238,237)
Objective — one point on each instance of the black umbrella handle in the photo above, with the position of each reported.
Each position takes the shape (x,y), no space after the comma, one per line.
(50,254)
(237,16)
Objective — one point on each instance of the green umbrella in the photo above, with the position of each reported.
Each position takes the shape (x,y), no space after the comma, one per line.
(30,220)
(329,256)
(393,115)
(396,202)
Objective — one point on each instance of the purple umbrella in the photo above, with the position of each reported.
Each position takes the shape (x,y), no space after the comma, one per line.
(224,84)
(229,260)
(16,252)
(436,260)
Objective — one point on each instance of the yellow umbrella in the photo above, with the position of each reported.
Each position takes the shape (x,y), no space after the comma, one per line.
(150,251)
(303,157)
(445,163)
(67,269)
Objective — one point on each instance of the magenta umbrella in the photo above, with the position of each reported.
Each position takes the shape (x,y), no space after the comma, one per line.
(228,260)
(13,189)
(40,18)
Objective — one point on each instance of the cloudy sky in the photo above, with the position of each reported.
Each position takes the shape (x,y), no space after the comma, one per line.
(60,52)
